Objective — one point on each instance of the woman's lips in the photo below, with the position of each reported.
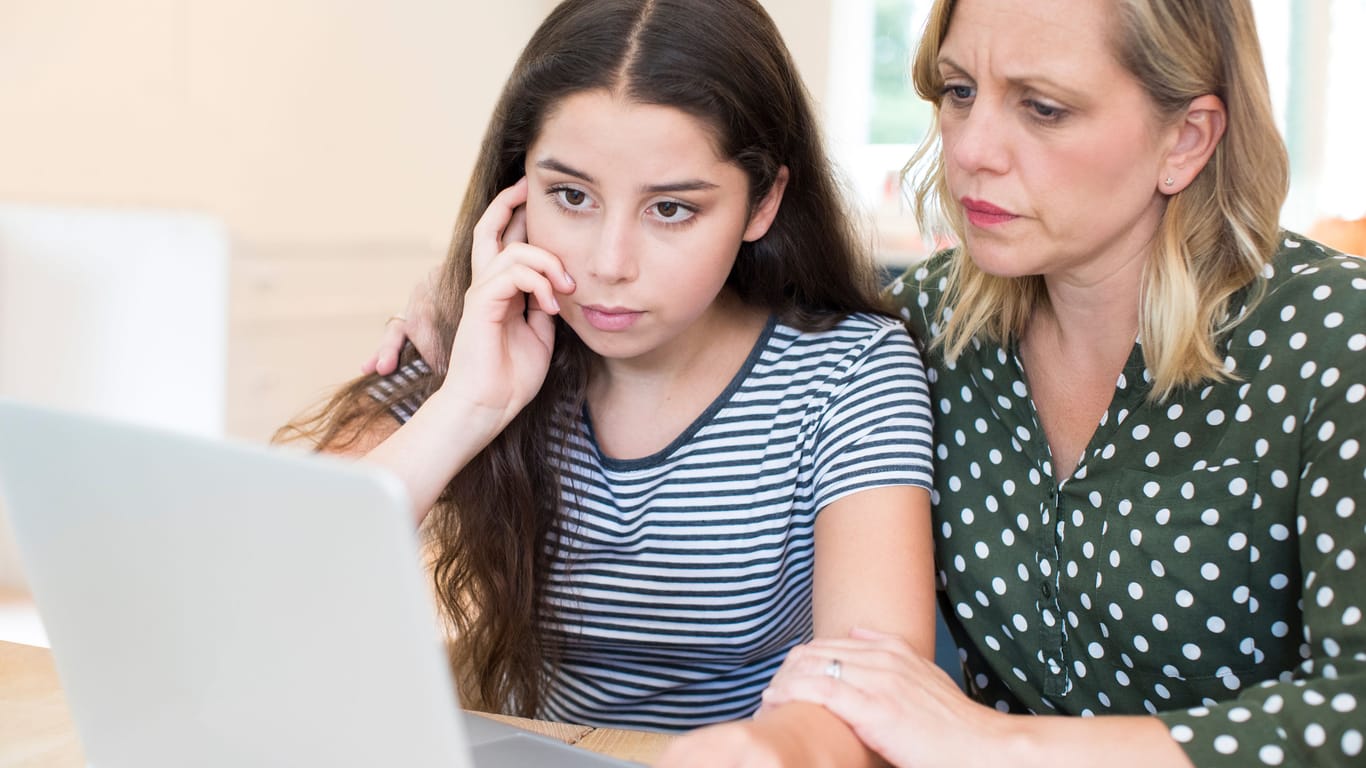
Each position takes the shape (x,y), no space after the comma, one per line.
(610,318)
(984,214)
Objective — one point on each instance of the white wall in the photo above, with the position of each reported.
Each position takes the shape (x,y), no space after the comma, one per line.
(293,120)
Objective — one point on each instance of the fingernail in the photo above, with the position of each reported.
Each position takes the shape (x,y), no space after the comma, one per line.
(568,278)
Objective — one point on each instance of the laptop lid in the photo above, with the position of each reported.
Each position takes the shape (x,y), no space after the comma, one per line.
(216,604)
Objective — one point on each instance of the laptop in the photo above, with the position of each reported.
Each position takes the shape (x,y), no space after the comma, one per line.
(213,604)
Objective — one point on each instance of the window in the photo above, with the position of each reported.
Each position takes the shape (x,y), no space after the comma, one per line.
(1313,50)
(874,117)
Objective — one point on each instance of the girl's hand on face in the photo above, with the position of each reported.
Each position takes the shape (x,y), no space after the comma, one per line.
(502,349)
(900,705)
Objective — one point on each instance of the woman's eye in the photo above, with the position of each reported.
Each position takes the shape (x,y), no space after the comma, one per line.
(958,92)
(668,210)
(1046,113)
(1044,110)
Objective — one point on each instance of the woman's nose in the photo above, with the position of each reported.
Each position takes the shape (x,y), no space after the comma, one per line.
(979,142)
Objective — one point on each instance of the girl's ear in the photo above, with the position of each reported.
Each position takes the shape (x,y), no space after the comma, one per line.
(1198,133)
(767,210)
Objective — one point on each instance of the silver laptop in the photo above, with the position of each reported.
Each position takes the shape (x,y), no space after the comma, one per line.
(214,604)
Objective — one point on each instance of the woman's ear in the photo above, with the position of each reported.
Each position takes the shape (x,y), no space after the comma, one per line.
(1198,132)
(767,210)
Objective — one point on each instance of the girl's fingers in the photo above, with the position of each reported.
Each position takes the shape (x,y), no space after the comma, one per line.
(501,231)
(488,232)
(517,282)
(544,262)
(542,324)
(515,232)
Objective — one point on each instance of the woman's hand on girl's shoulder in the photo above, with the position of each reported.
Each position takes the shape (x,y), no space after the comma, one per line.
(416,325)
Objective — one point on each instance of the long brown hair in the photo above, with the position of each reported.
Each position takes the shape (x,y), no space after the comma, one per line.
(1216,235)
(498,521)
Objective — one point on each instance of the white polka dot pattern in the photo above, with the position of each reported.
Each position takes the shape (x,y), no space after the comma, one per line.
(1201,563)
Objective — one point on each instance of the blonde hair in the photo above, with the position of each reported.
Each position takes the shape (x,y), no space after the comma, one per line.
(1216,236)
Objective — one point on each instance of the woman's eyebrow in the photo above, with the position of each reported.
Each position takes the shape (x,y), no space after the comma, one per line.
(690,185)
(1022,80)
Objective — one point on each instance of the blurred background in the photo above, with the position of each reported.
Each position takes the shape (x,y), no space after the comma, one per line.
(209,207)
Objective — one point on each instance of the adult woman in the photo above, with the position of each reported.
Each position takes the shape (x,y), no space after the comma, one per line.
(1161,533)
(651,477)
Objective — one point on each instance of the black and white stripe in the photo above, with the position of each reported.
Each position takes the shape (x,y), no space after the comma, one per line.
(685,577)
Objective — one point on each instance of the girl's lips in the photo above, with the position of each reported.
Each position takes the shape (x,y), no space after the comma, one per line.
(610,319)
(984,214)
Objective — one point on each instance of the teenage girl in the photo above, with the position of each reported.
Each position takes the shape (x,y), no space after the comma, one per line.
(670,431)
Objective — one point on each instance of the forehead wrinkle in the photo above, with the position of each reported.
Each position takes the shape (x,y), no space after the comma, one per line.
(997,26)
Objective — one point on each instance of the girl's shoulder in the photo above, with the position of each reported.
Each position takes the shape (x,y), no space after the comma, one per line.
(852,332)
(858,341)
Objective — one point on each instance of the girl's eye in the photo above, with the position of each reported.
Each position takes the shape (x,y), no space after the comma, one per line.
(571,197)
(672,211)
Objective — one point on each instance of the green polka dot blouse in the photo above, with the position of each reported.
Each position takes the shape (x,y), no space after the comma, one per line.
(1201,562)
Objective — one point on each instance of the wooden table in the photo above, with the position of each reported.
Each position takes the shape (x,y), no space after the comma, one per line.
(36,729)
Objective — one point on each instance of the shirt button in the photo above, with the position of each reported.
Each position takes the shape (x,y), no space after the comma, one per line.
(1046,590)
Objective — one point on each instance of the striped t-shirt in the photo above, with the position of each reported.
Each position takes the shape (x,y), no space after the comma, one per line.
(685,577)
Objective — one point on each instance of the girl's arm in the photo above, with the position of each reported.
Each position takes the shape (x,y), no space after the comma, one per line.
(874,567)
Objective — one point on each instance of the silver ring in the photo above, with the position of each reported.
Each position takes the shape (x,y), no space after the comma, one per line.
(834,669)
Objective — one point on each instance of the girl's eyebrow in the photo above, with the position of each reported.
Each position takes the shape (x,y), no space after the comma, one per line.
(690,185)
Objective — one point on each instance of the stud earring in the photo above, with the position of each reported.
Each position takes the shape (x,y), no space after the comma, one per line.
(1169,181)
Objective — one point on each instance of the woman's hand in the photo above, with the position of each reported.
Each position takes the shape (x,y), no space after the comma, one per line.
(417,324)
(502,348)
(900,704)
